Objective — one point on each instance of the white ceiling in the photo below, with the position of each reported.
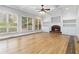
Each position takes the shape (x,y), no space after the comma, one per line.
(33,9)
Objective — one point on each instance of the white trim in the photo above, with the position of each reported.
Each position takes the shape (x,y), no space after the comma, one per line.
(7,22)
(16,34)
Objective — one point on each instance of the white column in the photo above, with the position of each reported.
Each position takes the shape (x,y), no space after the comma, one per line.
(27,25)
(33,25)
(19,23)
(7,18)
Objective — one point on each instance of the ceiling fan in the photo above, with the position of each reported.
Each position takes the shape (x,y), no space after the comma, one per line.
(43,9)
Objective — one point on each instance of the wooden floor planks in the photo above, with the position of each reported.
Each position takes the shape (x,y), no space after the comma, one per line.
(46,43)
(39,43)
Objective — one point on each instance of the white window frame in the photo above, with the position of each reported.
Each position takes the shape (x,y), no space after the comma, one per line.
(27,25)
(7,20)
(16,22)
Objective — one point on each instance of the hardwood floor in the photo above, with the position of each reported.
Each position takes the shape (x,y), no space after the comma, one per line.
(39,43)
(77,45)
(71,46)
(44,43)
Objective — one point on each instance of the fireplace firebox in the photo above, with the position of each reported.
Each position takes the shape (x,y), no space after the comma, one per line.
(56,28)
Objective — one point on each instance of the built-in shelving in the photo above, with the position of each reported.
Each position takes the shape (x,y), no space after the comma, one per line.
(69,23)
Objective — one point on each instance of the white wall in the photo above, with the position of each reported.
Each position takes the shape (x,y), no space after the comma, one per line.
(46,23)
(19,14)
(69,14)
(65,14)
(77,22)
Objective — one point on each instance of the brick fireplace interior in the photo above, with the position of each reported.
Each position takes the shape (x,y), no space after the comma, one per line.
(56,28)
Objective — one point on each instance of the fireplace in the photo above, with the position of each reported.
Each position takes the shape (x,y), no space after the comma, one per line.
(56,28)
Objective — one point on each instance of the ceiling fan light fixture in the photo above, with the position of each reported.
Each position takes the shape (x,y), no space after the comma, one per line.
(42,12)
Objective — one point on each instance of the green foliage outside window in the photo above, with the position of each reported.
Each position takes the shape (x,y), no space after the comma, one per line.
(12,23)
(29,23)
(3,22)
(24,22)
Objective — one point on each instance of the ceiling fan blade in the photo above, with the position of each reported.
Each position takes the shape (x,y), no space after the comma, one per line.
(47,9)
(43,9)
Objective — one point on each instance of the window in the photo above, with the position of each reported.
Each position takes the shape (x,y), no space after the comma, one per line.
(8,22)
(3,22)
(12,23)
(24,24)
(37,24)
(29,23)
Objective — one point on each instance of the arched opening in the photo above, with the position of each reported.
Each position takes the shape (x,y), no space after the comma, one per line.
(56,28)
